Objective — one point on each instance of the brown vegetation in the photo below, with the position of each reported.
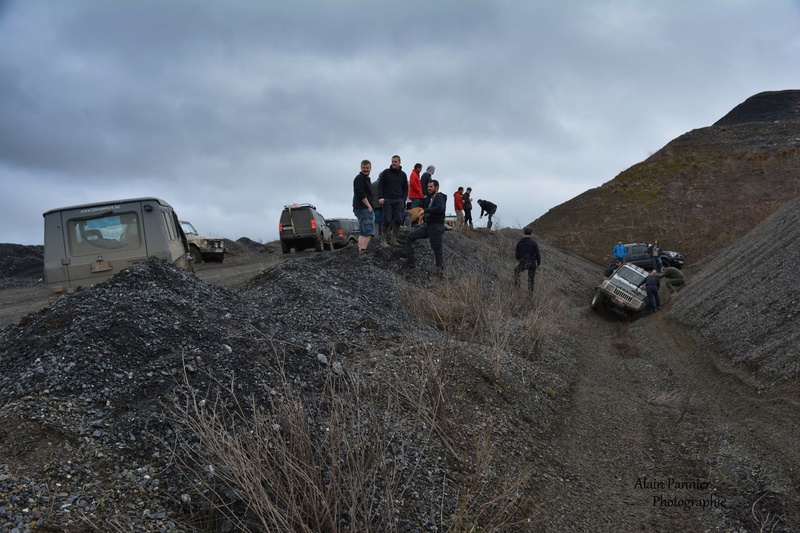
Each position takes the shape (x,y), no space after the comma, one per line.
(699,193)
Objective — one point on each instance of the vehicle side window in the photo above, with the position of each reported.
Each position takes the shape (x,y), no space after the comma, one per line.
(638,249)
(169,224)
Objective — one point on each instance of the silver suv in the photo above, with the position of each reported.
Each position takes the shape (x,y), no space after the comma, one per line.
(621,291)
(201,247)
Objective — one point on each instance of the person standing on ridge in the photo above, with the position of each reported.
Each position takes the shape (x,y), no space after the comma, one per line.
(362,206)
(467,199)
(425,179)
(415,190)
(392,194)
(458,203)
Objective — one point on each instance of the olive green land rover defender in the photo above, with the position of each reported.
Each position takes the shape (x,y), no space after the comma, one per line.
(87,244)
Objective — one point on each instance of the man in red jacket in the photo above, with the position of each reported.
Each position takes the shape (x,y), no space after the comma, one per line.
(458,203)
(415,195)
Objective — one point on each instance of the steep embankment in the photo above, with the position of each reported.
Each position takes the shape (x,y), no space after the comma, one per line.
(746,302)
(699,193)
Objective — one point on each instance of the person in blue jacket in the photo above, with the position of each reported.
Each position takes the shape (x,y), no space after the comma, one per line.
(620,251)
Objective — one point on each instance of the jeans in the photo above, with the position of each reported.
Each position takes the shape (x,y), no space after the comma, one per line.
(434,233)
(653,299)
(366,222)
(530,267)
(468,216)
(657,264)
(394,212)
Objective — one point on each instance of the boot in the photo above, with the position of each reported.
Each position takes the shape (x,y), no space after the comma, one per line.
(385,237)
(489,225)
(395,233)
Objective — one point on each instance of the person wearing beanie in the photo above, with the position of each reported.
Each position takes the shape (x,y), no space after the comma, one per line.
(426,178)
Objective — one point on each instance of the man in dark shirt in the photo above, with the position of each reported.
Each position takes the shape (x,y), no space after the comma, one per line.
(432,229)
(490,209)
(652,283)
(362,206)
(392,194)
(528,258)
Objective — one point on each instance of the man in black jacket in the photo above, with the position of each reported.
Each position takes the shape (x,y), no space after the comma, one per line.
(392,194)
(528,258)
(433,228)
(490,209)
(652,283)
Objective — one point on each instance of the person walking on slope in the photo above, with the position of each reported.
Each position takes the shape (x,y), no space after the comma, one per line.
(490,209)
(652,283)
(620,251)
(432,229)
(528,258)
(362,206)
(458,203)
(467,199)
(392,194)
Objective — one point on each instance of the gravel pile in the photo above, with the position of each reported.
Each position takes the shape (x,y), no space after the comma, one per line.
(746,301)
(88,386)
(20,266)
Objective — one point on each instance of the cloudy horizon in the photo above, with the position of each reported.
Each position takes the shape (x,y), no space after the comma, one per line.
(229,111)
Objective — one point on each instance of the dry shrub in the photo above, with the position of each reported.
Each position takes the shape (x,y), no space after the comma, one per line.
(483,306)
(304,462)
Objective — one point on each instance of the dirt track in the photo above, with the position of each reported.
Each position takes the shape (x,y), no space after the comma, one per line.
(656,437)
(659,440)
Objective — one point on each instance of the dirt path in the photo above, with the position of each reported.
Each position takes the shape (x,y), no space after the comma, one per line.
(232,273)
(657,439)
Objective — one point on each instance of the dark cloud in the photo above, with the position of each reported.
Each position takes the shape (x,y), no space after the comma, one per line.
(229,110)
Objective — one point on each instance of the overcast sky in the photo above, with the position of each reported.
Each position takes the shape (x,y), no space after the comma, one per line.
(230,110)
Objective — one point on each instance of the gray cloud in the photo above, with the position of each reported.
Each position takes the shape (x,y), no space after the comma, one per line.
(257,104)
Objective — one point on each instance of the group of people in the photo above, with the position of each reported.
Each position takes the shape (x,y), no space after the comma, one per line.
(382,204)
(675,279)
(386,203)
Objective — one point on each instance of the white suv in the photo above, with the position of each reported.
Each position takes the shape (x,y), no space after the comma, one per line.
(202,247)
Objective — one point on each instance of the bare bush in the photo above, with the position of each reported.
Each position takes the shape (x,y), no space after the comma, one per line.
(305,462)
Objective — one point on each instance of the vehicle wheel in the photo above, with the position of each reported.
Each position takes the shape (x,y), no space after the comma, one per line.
(665,263)
(319,244)
(286,248)
(197,257)
(351,241)
(329,246)
(597,301)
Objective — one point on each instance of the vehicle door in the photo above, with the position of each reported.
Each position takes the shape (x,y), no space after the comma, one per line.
(637,254)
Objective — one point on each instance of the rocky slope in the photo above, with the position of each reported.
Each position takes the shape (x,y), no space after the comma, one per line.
(527,425)
(699,193)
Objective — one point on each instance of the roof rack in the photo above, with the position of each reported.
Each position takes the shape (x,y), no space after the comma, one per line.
(295,206)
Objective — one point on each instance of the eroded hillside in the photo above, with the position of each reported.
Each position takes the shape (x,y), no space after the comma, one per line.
(699,193)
